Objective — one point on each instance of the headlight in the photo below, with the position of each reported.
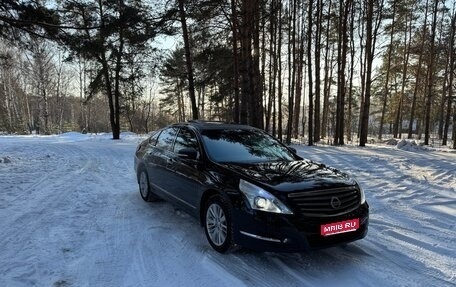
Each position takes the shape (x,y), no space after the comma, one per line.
(260,199)
(363,196)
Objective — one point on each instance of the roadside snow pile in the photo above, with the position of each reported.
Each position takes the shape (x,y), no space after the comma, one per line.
(128,134)
(409,145)
(391,142)
(76,136)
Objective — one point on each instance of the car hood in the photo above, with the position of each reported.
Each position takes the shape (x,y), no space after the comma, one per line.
(292,176)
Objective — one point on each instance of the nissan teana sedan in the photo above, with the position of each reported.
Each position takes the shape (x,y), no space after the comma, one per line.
(249,190)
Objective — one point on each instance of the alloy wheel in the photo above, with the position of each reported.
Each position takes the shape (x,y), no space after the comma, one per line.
(216,224)
(143,185)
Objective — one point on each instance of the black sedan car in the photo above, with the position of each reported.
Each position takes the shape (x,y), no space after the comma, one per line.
(248,189)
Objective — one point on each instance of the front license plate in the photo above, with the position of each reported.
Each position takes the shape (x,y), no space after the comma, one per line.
(340,227)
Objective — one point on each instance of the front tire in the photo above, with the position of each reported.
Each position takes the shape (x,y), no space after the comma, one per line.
(218,224)
(144,187)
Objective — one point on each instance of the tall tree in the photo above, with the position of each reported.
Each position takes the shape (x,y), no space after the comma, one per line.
(279,76)
(418,73)
(298,66)
(373,21)
(344,11)
(319,20)
(256,99)
(115,39)
(309,73)
(430,82)
(246,69)
(351,74)
(451,71)
(406,56)
(386,87)
(292,10)
(188,59)
(327,78)
(234,29)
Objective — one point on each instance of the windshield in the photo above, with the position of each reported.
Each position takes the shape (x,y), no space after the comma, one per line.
(244,146)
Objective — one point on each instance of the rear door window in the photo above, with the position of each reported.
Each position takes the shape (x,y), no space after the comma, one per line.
(166,139)
(185,139)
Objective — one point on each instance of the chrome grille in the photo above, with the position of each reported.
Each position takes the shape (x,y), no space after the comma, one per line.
(326,202)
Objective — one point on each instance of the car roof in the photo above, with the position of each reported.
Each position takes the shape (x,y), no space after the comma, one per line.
(215,125)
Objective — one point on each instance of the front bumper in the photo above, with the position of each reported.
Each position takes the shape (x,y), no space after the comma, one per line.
(264,231)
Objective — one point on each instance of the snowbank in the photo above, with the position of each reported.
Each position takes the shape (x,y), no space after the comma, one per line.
(391,142)
(410,145)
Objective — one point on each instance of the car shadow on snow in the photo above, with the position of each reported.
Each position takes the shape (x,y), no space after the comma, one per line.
(296,269)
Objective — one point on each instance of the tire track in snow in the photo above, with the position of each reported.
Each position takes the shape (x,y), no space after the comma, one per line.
(42,203)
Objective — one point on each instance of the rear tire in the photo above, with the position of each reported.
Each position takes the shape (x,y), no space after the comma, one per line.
(144,187)
(218,225)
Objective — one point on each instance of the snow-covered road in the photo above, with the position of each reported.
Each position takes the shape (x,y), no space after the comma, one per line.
(71,215)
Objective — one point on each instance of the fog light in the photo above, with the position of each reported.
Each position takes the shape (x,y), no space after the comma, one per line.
(260,202)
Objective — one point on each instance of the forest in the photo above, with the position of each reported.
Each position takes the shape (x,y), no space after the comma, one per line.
(336,72)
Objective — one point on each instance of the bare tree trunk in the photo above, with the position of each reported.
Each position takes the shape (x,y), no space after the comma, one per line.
(443,102)
(430,76)
(388,68)
(7,94)
(58,94)
(363,67)
(309,74)
(451,71)
(441,113)
(318,25)
(299,71)
(27,107)
(291,68)
(406,56)
(234,27)
(304,76)
(275,68)
(261,94)
(371,38)
(352,68)
(246,35)
(188,60)
(299,63)
(344,9)
(369,59)
(256,102)
(327,80)
(272,67)
(111,92)
(418,74)
(454,130)
(279,57)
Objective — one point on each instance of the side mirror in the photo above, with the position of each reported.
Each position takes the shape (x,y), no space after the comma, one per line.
(188,153)
(293,150)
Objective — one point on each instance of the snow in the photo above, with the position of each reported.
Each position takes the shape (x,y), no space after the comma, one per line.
(409,145)
(71,215)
